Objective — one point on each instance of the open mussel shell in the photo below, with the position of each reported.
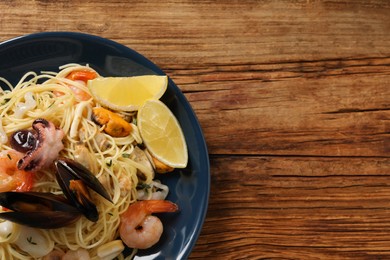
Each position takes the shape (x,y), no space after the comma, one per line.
(78,198)
(82,173)
(70,172)
(38,210)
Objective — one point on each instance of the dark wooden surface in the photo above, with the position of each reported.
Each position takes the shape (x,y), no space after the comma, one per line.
(294,100)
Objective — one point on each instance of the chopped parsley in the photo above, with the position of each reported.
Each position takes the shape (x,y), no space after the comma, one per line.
(109,163)
(143,186)
(5,101)
(126,155)
(29,239)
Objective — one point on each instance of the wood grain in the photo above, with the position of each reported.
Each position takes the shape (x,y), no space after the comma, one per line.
(297,208)
(294,100)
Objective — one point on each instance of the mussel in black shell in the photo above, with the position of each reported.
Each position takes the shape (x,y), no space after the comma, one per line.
(74,180)
(38,210)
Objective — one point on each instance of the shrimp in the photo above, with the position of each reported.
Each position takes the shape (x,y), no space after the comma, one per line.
(11,178)
(80,77)
(79,94)
(138,228)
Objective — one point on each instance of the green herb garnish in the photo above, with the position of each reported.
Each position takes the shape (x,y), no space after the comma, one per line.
(5,101)
(143,186)
(126,155)
(29,239)
(109,163)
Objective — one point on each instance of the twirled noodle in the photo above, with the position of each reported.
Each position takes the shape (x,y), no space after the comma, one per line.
(118,173)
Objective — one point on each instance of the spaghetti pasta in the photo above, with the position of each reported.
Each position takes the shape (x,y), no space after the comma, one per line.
(112,158)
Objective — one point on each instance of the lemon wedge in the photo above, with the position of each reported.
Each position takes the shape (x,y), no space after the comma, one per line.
(127,93)
(162,134)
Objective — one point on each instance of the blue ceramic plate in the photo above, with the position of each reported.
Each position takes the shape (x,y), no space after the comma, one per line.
(189,187)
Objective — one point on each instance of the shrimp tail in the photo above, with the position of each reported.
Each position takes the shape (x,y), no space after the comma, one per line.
(160,206)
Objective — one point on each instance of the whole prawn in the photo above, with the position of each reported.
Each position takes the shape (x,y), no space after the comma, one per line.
(138,228)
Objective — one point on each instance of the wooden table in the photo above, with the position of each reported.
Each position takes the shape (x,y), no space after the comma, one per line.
(294,100)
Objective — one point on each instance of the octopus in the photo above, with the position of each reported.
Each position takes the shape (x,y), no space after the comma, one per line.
(41,145)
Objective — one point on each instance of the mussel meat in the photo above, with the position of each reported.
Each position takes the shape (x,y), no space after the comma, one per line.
(74,179)
(38,210)
(114,124)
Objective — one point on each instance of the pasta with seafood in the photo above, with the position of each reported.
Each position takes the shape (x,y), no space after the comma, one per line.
(71,170)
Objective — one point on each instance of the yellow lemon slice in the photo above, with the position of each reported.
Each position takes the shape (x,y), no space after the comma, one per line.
(127,93)
(162,134)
